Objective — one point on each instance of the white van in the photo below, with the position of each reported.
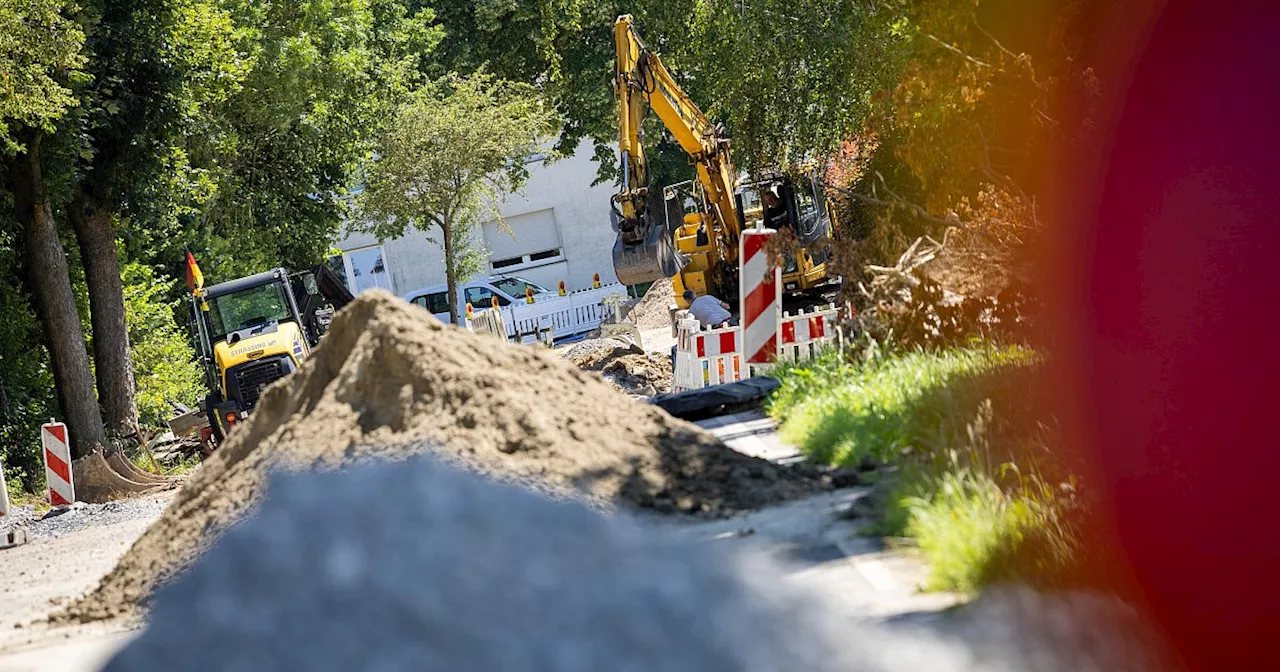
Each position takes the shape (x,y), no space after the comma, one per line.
(508,289)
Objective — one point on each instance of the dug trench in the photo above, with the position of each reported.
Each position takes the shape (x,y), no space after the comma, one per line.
(390,382)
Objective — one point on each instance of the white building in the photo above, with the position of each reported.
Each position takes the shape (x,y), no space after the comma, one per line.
(559,230)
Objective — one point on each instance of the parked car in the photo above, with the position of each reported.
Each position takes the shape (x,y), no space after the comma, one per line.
(479,293)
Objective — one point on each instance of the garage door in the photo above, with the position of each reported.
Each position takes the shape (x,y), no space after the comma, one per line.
(533,237)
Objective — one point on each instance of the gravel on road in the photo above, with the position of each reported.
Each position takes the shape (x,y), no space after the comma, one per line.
(58,522)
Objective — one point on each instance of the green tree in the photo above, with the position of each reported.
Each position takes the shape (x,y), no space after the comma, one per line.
(162,354)
(40,61)
(448,156)
(792,78)
(961,136)
(282,150)
(224,125)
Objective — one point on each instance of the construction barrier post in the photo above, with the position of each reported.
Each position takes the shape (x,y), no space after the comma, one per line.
(57,463)
(760,299)
(4,495)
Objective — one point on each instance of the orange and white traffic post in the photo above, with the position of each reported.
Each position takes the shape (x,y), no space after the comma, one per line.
(57,463)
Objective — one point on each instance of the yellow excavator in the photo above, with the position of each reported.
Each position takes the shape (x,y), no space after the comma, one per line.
(698,249)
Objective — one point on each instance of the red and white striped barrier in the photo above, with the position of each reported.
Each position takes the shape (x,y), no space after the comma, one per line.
(57,464)
(4,494)
(761,298)
(805,334)
(707,356)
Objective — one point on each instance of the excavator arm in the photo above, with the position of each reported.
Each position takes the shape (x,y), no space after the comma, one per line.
(644,251)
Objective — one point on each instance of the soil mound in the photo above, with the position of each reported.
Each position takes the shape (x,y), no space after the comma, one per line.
(653,311)
(625,365)
(390,381)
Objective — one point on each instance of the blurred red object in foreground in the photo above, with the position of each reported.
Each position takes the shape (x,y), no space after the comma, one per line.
(1172,266)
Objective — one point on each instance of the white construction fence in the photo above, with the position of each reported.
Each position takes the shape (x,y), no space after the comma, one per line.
(546,318)
(707,357)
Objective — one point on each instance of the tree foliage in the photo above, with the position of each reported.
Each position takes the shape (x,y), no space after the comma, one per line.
(447,158)
(39,57)
(163,359)
(963,135)
(792,78)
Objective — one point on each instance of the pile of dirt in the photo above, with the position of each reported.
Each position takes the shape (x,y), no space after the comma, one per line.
(389,381)
(654,310)
(630,368)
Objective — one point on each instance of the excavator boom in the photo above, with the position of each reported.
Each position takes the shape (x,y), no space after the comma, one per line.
(644,251)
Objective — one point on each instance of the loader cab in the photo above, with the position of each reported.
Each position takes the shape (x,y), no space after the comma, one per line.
(249,333)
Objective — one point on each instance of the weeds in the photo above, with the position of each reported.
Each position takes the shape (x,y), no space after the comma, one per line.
(182,466)
(839,412)
(18,496)
(976,484)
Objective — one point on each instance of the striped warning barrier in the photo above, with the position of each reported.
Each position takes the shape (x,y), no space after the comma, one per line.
(761,298)
(4,494)
(804,334)
(57,464)
(707,356)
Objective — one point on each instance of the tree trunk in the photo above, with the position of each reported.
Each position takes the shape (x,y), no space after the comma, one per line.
(450,270)
(47,270)
(114,367)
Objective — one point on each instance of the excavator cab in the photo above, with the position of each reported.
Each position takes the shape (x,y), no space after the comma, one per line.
(804,211)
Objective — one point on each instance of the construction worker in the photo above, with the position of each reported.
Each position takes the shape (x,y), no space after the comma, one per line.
(775,213)
(709,311)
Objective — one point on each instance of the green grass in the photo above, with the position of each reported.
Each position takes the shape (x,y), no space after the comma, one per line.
(975,484)
(839,412)
(20,497)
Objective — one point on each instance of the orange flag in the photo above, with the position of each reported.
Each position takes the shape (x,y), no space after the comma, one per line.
(195,279)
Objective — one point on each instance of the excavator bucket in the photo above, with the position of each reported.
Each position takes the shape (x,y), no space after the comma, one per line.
(649,261)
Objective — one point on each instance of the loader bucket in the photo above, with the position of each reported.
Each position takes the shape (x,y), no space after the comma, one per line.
(649,261)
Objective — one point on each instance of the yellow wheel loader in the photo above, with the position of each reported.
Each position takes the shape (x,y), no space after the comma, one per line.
(253,331)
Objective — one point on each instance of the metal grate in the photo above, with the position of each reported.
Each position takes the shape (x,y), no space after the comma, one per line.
(252,378)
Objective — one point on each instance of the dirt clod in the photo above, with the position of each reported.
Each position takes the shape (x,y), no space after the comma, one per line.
(625,365)
(390,381)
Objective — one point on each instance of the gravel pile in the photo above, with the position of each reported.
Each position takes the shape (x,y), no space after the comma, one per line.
(468,574)
(80,515)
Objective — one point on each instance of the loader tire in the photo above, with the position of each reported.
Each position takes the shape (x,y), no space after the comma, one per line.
(211,401)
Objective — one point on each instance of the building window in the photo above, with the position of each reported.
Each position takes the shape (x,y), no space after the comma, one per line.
(367,269)
(546,256)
